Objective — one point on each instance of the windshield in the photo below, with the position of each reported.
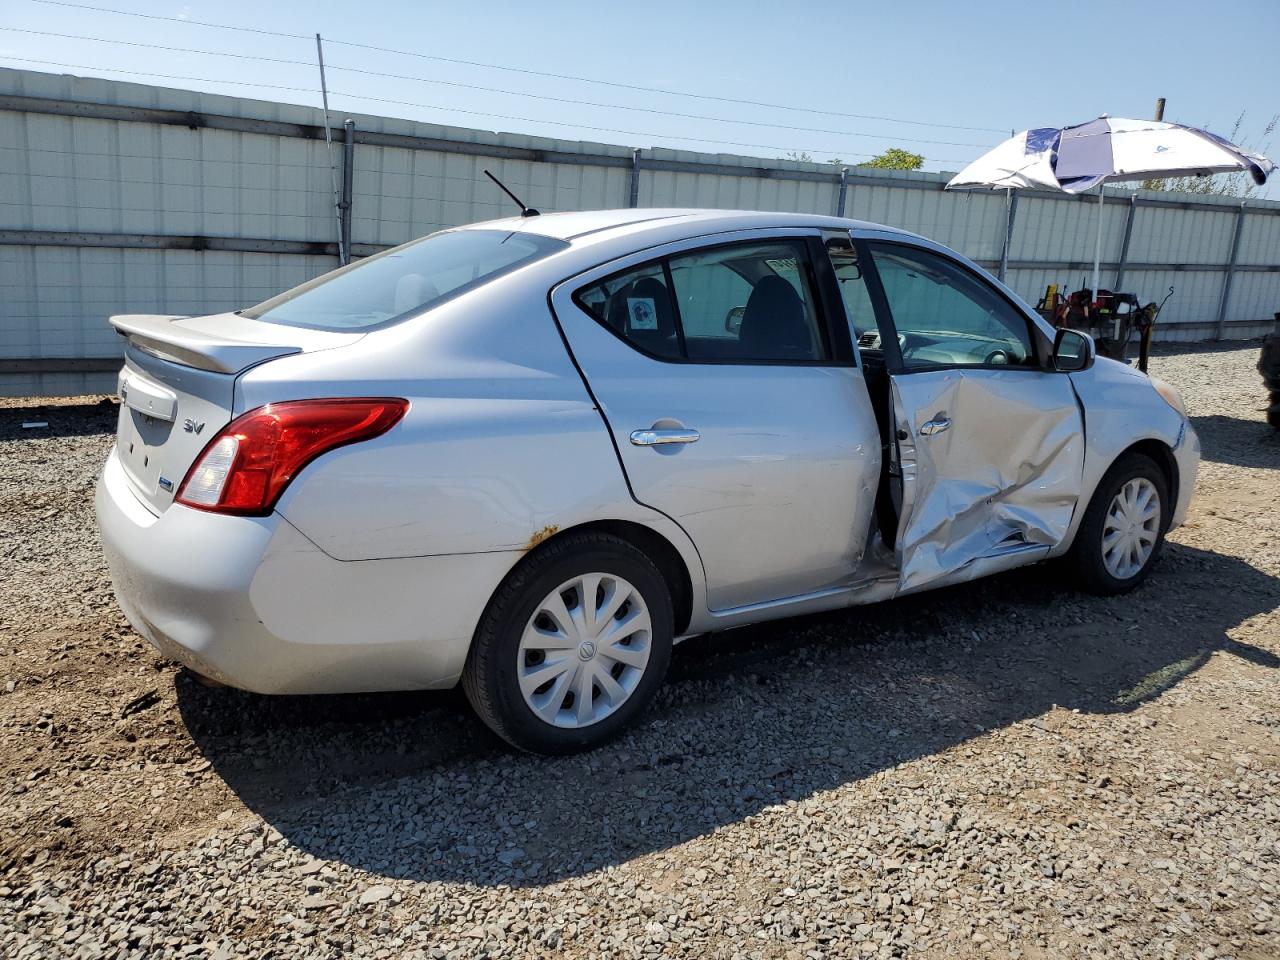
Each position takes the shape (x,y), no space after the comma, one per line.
(405,280)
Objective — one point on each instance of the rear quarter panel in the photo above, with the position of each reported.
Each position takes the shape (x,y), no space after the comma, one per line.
(501,447)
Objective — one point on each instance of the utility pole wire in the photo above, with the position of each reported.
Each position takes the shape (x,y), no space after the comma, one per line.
(362,97)
(521,70)
(501,90)
(328,145)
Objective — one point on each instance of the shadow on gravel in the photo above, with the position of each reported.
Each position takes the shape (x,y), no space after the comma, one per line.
(410,785)
(1171,348)
(64,420)
(1243,443)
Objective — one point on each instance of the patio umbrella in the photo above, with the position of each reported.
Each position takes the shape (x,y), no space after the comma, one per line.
(1109,149)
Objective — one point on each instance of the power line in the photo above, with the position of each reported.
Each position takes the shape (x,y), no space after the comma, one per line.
(434,106)
(157,16)
(523,70)
(157,46)
(161,76)
(506,92)
(665,113)
(659,90)
(631,133)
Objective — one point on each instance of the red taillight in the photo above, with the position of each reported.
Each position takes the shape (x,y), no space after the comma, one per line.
(246,467)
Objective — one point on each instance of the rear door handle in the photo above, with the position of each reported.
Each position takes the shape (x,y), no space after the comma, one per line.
(654,436)
(938,424)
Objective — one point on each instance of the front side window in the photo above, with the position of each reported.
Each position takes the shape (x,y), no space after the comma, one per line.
(404,281)
(744,303)
(946,316)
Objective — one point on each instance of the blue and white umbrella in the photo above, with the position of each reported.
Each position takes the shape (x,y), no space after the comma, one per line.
(1109,149)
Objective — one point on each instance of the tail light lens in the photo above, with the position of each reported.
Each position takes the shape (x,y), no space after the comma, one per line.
(246,467)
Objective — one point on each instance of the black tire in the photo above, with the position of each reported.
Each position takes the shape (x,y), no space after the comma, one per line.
(1086,556)
(490,677)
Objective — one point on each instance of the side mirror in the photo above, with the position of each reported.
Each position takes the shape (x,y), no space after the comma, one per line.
(1073,351)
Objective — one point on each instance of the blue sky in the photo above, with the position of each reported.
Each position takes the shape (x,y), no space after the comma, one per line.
(991,66)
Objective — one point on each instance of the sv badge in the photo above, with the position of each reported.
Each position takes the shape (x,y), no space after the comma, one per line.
(192,426)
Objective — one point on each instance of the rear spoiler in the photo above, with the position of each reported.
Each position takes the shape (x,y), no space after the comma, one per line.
(165,337)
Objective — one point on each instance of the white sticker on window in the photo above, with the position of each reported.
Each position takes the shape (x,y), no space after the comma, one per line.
(643,313)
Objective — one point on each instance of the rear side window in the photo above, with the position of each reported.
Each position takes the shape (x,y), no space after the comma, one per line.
(404,281)
(744,303)
(636,305)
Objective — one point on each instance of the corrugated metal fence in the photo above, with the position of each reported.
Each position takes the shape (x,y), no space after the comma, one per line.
(119,197)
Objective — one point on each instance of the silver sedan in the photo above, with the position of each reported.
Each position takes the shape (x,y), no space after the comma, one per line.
(531,455)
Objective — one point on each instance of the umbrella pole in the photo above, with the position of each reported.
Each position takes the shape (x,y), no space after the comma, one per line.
(1097,248)
(1097,259)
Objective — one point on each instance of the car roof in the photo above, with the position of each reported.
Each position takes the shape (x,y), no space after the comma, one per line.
(597,236)
(587,226)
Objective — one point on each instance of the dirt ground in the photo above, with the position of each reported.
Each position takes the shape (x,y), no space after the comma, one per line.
(1007,768)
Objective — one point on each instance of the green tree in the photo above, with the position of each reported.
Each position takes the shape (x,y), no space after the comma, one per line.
(1218,184)
(895,158)
(801,156)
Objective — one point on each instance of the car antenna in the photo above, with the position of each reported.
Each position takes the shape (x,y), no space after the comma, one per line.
(524,211)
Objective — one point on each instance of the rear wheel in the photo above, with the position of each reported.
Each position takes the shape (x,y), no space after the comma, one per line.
(1122,533)
(572,647)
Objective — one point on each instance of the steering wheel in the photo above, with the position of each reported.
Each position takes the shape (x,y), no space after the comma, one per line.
(998,356)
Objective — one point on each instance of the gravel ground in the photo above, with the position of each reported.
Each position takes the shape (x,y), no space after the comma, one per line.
(1006,769)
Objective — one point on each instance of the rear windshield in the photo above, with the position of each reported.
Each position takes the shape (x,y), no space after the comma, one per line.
(405,280)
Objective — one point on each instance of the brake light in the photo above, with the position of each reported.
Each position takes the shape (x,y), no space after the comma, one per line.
(248,464)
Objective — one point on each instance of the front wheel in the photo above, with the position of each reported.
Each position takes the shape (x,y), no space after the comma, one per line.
(1122,533)
(573,645)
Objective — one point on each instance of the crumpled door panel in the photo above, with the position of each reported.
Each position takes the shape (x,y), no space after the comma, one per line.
(1004,477)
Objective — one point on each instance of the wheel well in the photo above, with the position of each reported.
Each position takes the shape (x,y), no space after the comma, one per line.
(1163,457)
(658,549)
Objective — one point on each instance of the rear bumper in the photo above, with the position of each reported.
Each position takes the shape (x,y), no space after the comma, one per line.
(251,602)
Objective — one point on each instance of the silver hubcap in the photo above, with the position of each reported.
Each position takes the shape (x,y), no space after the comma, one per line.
(584,650)
(1130,530)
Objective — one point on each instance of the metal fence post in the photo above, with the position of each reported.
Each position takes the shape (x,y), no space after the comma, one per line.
(1231,270)
(1124,244)
(348,172)
(1010,211)
(634,200)
(844,190)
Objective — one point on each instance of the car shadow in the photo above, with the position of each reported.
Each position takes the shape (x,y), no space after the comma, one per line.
(1175,348)
(1239,442)
(59,420)
(412,786)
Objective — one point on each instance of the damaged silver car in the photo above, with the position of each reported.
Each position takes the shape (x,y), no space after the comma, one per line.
(531,455)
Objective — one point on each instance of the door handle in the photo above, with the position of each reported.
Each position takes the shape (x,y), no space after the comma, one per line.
(938,424)
(657,435)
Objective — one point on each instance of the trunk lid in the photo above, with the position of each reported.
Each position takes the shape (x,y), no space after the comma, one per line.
(177,388)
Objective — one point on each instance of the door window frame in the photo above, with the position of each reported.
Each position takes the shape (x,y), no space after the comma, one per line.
(884,313)
(817,274)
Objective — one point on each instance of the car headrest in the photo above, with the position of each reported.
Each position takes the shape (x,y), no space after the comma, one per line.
(413,290)
(773,323)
